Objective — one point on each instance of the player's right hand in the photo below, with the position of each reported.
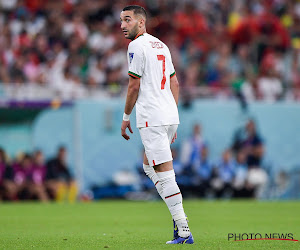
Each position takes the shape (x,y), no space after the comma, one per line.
(126,124)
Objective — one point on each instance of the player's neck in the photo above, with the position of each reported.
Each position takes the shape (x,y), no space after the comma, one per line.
(140,33)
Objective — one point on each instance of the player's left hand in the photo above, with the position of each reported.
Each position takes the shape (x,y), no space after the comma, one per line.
(126,124)
(174,138)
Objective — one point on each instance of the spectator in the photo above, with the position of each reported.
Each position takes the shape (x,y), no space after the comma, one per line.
(203,173)
(271,34)
(2,172)
(240,185)
(191,148)
(30,31)
(243,62)
(21,176)
(9,191)
(37,180)
(269,86)
(60,182)
(224,174)
(97,72)
(249,140)
(221,66)
(189,22)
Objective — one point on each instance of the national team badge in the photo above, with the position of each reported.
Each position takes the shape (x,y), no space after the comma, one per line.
(130,57)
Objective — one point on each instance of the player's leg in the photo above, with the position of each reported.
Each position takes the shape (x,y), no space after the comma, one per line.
(150,172)
(173,197)
(157,141)
(181,228)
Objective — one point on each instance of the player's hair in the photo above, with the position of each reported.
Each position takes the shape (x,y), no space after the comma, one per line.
(137,10)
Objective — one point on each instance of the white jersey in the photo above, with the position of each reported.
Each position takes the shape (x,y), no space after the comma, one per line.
(150,60)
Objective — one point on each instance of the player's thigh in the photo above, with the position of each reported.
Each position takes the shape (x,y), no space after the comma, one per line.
(171,130)
(145,159)
(156,144)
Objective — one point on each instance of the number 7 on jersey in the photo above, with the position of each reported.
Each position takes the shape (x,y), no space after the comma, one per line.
(163,59)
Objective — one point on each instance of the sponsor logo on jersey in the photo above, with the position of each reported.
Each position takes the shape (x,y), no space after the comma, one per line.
(130,57)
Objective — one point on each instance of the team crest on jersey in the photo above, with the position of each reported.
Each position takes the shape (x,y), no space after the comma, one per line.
(130,57)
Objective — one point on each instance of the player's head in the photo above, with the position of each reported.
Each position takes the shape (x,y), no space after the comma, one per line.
(133,21)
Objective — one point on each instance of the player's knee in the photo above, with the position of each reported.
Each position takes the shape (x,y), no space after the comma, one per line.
(166,177)
(149,171)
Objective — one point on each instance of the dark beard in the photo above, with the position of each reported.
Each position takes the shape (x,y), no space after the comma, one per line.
(134,32)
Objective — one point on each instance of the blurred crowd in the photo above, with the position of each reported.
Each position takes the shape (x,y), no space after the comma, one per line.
(238,173)
(249,49)
(29,177)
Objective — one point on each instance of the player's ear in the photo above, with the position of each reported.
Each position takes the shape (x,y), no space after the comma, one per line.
(141,22)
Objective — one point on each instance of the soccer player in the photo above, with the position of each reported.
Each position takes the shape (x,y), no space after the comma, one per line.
(154,88)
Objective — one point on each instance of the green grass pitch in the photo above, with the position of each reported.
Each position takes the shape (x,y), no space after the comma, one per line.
(144,225)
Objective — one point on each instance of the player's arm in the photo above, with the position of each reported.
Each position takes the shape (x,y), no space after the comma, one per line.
(174,85)
(136,59)
(132,95)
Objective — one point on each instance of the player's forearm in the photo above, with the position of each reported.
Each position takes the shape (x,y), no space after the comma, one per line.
(174,85)
(130,101)
(132,94)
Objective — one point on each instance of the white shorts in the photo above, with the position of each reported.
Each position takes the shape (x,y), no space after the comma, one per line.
(156,141)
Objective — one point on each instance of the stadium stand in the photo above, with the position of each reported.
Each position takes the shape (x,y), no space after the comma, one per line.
(74,49)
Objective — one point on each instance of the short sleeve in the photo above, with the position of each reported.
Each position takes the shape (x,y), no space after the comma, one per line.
(170,65)
(135,60)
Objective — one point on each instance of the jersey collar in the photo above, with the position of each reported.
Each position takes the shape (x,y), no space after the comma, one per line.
(138,35)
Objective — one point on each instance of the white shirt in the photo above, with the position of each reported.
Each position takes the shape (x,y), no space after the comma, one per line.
(150,60)
(270,88)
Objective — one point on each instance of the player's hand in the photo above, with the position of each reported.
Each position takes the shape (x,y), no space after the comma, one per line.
(126,124)
(174,138)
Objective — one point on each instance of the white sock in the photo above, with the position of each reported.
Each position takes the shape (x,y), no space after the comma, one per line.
(150,172)
(183,228)
(173,198)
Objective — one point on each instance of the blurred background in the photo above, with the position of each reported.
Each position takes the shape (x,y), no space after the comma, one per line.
(63,81)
